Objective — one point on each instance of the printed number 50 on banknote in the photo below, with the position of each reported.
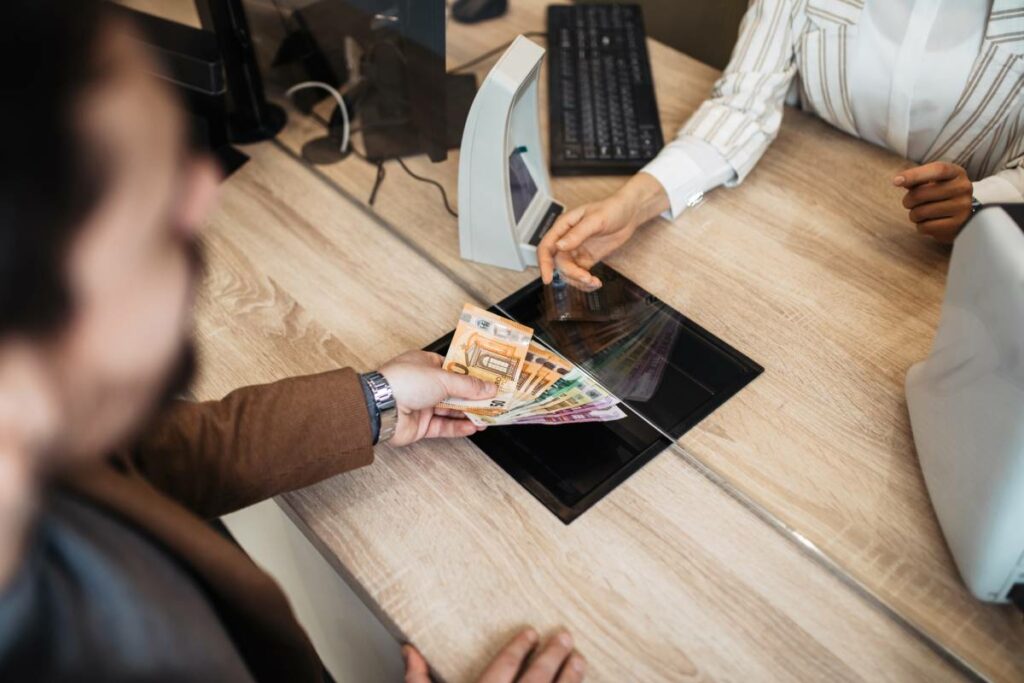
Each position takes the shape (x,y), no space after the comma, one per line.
(491,348)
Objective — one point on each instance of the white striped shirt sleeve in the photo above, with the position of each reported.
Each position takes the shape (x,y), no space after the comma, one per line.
(1006,187)
(687,167)
(743,114)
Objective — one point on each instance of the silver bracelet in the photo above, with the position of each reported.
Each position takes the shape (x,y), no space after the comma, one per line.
(384,397)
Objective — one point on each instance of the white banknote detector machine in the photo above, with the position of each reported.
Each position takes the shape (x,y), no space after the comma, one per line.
(505,203)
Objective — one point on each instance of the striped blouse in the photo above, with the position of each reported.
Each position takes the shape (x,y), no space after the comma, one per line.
(808,48)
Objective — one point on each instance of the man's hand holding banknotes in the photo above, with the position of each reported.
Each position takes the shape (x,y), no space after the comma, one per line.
(533,385)
(494,374)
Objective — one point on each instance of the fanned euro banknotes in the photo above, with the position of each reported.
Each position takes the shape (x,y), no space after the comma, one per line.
(535,385)
(623,335)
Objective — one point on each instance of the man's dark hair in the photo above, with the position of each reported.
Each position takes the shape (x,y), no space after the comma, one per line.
(48,176)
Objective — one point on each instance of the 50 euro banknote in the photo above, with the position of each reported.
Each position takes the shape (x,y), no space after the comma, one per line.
(491,348)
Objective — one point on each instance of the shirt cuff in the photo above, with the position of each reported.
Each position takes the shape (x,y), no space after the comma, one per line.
(996,190)
(686,168)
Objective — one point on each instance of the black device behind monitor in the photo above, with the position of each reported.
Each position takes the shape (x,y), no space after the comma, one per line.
(475,11)
(318,41)
(676,373)
(214,69)
(405,101)
(251,117)
(189,59)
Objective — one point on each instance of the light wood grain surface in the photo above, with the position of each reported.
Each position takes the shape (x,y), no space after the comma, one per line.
(809,267)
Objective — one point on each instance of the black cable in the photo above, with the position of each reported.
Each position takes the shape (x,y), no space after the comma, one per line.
(381,173)
(491,53)
(439,186)
(377,183)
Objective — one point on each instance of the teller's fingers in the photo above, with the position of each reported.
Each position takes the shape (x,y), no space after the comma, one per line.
(584,259)
(576,284)
(573,670)
(505,667)
(566,222)
(416,669)
(943,230)
(590,225)
(574,272)
(546,665)
(942,209)
(935,192)
(546,250)
(928,173)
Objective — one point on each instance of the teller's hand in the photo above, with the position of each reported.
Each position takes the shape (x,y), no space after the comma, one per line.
(939,197)
(555,662)
(419,384)
(582,237)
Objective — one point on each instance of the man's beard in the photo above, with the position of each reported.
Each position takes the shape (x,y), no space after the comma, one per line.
(183,371)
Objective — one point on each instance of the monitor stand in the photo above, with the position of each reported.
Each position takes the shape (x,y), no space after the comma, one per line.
(669,372)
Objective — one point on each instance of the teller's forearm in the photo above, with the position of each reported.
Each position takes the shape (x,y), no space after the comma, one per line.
(646,195)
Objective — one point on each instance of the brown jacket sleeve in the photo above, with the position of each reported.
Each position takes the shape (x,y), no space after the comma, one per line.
(256,442)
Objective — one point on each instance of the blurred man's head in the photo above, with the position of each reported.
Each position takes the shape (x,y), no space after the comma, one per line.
(100,203)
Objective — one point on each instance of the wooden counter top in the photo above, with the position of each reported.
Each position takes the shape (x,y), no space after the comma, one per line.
(690,568)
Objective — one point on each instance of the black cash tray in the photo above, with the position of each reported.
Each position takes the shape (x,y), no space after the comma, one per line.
(570,467)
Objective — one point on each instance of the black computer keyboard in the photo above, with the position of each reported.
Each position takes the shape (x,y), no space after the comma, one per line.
(602,112)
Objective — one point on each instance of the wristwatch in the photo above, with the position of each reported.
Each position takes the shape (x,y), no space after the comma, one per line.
(384,402)
(975,205)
